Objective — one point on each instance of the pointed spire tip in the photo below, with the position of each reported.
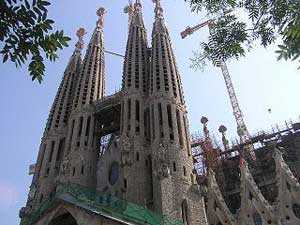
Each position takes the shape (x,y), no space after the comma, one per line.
(158,9)
(100,13)
(80,33)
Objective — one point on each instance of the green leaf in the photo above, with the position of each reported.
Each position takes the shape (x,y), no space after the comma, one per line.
(27,4)
(45,3)
(5,58)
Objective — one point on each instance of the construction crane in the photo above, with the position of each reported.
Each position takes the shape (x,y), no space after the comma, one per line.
(113,53)
(237,112)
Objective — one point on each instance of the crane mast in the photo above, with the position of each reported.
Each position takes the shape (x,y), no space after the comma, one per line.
(237,112)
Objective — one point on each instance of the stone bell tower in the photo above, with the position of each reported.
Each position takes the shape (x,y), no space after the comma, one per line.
(80,159)
(134,122)
(174,185)
(51,151)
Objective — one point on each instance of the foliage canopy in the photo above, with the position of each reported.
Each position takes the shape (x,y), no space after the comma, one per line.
(25,33)
(267,21)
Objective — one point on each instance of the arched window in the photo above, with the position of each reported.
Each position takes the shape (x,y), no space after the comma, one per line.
(65,218)
(184,212)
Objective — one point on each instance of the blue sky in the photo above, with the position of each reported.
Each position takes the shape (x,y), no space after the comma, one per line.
(260,81)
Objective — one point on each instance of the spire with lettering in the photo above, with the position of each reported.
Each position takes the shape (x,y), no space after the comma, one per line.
(61,108)
(91,83)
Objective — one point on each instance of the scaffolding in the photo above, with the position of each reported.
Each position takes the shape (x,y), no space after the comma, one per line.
(232,151)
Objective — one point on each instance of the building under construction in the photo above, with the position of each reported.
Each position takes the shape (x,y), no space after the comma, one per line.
(129,158)
(240,190)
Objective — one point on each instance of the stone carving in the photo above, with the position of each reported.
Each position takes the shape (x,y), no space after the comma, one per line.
(101,12)
(162,169)
(126,153)
(65,166)
(32,192)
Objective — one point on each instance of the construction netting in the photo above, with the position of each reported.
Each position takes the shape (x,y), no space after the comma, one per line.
(106,204)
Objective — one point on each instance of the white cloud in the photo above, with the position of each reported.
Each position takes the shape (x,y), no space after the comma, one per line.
(8,195)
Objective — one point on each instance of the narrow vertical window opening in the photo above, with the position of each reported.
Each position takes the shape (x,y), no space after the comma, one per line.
(82,169)
(170,122)
(51,151)
(184,212)
(137,110)
(125,183)
(160,119)
(179,127)
(41,198)
(129,109)
(186,131)
(72,128)
(153,122)
(88,124)
(80,126)
(60,150)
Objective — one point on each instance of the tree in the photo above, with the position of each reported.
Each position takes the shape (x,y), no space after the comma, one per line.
(230,36)
(25,33)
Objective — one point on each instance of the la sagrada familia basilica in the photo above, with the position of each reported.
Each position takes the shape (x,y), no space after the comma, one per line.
(129,158)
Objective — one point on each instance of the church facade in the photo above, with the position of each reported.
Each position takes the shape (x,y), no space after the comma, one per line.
(146,160)
(127,158)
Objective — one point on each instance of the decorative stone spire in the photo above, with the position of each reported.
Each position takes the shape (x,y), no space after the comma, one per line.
(133,125)
(138,5)
(135,65)
(170,139)
(60,110)
(91,85)
(137,16)
(53,141)
(100,12)
(222,130)
(80,44)
(165,76)
(204,121)
(158,9)
(129,9)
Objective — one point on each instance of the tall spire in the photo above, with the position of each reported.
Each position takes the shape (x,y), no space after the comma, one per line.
(130,10)
(137,17)
(60,110)
(91,84)
(165,75)
(100,23)
(79,45)
(159,24)
(170,136)
(158,9)
(53,141)
(135,71)
(134,87)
